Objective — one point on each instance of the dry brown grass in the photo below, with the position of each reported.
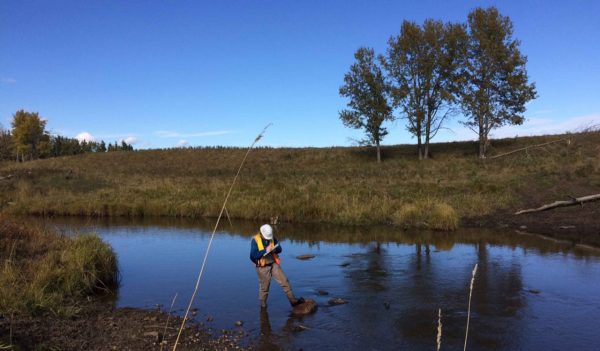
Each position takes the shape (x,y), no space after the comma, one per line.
(336,185)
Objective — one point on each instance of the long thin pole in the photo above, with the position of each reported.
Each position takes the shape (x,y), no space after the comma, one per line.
(187,311)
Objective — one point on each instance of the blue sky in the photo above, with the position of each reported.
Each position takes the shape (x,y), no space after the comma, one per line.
(163,73)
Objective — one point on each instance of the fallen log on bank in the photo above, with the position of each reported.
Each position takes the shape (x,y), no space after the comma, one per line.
(564,203)
(568,141)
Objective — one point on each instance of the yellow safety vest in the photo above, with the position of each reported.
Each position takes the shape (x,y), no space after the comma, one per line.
(263,261)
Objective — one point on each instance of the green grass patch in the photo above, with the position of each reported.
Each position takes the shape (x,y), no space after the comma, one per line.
(426,214)
(47,272)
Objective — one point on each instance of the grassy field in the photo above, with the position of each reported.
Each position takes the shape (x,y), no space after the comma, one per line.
(334,185)
(43,272)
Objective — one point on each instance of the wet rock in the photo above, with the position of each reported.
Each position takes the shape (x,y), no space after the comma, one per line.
(239,323)
(307,307)
(337,301)
(305,257)
(299,328)
(322,292)
(523,227)
(210,319)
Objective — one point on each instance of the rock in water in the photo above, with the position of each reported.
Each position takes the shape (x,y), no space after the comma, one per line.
(305,257)
(307,307)
(337,301)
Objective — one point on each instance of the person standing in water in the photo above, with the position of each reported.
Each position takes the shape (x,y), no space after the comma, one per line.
(264,253)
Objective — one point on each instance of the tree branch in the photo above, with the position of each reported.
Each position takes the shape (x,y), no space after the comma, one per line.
(530,147)
(576,201)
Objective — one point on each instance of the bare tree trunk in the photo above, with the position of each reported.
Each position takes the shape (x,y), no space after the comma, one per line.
(482,142)
(378,152)
(427,134)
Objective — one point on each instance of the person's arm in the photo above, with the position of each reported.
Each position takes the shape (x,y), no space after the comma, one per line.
(278,248)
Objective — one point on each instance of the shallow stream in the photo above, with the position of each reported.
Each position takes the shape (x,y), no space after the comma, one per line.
(530,293)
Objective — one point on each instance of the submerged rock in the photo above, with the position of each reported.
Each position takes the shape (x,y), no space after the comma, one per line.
(239,323)
(337,301)
(322,292)
(307,307)
(299,328)
(305,257)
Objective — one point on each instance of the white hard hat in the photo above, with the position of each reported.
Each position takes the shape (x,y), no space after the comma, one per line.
(266,231)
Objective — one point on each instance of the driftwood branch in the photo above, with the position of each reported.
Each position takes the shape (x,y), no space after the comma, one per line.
(530,147)
(573,201)
(7,177)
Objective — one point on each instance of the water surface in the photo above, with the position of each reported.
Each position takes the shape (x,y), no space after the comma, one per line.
(530,293)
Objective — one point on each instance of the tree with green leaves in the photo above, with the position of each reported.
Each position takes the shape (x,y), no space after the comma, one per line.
(494,85)
(6,145)
(365,86)
(29,135)
(422,64)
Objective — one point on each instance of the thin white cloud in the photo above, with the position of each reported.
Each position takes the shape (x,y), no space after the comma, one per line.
(531,126)
(183,143)
(544,126)
(131,140)
(8,80)
(172,134)
(85,136)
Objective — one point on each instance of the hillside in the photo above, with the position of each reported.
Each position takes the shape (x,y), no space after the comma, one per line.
(334,185)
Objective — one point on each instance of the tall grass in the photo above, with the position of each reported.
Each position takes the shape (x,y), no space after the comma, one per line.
(335,185)
(46,272)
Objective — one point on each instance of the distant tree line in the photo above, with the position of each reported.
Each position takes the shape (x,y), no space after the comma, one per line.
(29,140)
(433,71)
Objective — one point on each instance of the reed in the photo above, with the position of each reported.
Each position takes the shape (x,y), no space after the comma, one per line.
(163,342)
(223,207)
(469,308)
(439,330)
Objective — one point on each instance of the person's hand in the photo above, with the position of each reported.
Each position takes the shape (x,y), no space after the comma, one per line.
(270,247)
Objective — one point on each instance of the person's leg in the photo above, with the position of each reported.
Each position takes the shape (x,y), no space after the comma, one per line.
(264,281)
(281,278)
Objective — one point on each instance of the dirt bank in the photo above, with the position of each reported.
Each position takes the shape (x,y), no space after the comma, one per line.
(102,327)
(578,224)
